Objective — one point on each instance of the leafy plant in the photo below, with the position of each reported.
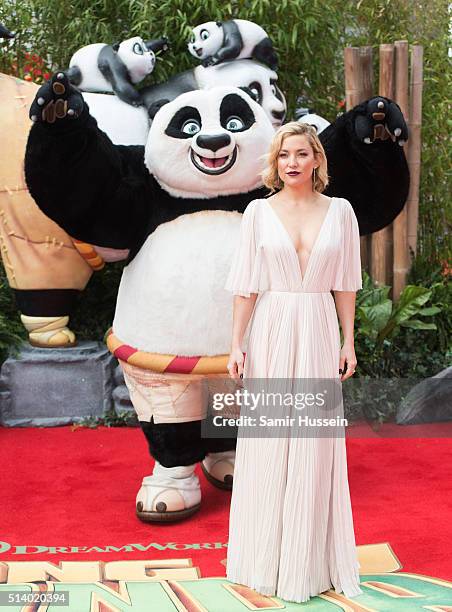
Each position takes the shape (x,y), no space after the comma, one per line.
(384,329)
(12,333)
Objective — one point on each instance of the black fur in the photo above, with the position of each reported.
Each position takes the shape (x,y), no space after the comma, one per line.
(74,74)
(5,33)
(167,91)
(374,178)
(232,44)
(115,72)
(264,52)
(174,444)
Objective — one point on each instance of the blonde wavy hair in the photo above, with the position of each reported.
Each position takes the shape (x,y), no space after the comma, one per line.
(270,175)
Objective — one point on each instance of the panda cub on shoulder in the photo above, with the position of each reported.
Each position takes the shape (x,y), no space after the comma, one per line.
(115,68)
(214,42)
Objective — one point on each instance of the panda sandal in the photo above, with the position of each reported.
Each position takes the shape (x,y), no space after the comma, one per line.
(164,500)
(218,468)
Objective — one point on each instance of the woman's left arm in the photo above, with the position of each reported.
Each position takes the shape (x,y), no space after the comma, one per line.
(345,306)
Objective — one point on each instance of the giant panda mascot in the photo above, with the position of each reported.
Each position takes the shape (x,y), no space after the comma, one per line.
(176,204)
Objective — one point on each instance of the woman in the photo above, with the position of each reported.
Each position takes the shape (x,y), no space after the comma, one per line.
(291,527)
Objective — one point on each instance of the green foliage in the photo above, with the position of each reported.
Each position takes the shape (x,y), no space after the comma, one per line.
(12,332)
(96,308)
(391,337)
(124,418)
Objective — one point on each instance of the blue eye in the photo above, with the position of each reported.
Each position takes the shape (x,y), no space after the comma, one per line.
(137,48)
(191,127)
(234,124)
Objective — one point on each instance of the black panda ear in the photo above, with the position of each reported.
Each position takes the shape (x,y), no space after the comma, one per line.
(219,24)
(252,94)
(115,47)
(155,107)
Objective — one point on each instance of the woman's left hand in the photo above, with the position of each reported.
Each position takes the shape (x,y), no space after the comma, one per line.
(347,357)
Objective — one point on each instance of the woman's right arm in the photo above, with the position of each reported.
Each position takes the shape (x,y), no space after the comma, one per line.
(242,310)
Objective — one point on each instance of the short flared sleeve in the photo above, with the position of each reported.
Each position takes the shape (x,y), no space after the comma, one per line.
(246,269)
(348,274)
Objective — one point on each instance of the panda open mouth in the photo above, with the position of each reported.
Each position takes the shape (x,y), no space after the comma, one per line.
(213,165)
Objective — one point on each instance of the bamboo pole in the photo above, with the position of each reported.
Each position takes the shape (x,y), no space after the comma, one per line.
(367,75)
(400,229)
(358,87)
(352,77)
(381,247)
(414,150)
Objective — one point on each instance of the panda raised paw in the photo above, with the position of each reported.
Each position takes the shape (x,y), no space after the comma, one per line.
(210,61)
(56,100)
(380,118)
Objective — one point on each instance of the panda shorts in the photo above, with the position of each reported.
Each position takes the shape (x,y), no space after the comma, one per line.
(174,398)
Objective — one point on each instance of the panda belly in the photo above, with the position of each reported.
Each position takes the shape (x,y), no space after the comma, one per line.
(171,298)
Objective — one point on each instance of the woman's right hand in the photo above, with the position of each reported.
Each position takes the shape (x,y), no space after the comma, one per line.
(235,364)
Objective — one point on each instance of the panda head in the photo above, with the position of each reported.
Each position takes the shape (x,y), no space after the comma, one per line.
(206,144)
(206,39)
(259,80)
(138,59)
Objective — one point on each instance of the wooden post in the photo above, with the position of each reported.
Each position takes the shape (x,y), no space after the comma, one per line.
(358,87)
(367,74)
(414,150)
(381,249)
(400,229)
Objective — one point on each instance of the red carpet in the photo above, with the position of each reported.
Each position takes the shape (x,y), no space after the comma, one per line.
(64,488)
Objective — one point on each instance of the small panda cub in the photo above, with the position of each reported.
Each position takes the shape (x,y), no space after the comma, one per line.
(214,42)
(115,68)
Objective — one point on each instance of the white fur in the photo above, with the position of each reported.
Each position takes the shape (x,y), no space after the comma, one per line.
(138,66)
(171,298)
(123,123)
(168,158)
(86,59)
(250,32)
(242,73)
(312,119)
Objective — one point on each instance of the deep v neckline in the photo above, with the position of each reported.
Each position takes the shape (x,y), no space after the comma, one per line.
(290,241)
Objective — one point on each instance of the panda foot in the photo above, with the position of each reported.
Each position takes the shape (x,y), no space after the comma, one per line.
(49,332)
(170,494)
(218,468)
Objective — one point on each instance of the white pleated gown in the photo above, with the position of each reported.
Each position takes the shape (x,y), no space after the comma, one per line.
(291,527)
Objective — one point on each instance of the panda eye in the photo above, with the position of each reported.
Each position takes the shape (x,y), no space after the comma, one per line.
(256,91)
(273,89)
(138,49)
(234,124)
(204,34)
(192,38)
(191,127)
